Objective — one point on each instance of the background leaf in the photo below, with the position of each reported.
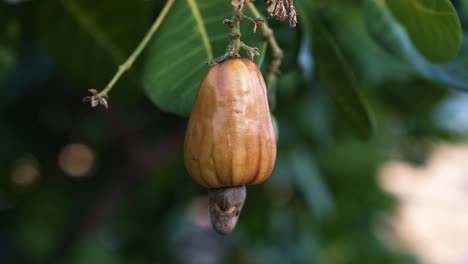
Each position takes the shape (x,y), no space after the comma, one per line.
(338,79)
(191,35)
(391,36)
(307,178)
(432,25)
(88,40)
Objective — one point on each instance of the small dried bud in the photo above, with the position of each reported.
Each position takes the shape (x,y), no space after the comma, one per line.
(238,4)
(292,18)
(271,8)
(93,91)
(280,11)
(232,53)
(251,52)
(255,22)
(104,103)
(292,13)
(229,23)
(94,102)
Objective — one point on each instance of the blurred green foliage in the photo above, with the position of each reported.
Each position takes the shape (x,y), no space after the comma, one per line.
(138,205)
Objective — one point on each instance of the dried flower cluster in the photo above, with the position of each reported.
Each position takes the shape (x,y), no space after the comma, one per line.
(96,99)
(279,8)
(282,9)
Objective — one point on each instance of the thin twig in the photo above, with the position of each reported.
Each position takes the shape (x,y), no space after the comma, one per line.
(102,96)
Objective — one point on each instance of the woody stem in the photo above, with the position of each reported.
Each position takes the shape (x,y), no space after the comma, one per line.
(235,34)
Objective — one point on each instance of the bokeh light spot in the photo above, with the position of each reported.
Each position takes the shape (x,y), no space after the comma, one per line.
(76,160)
(25,171)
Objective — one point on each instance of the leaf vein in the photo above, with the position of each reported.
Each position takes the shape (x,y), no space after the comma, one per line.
(177,62)
(201,28)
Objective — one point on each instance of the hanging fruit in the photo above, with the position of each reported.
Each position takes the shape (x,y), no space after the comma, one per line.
(230,140)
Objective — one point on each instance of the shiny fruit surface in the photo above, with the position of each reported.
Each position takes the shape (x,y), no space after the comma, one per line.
(230,139)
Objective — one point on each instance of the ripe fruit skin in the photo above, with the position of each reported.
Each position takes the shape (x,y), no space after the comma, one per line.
(230,139)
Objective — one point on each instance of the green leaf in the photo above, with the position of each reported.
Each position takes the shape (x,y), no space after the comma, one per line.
(338,79)
(432,25)
(385,30)
(88,39)
(191,35)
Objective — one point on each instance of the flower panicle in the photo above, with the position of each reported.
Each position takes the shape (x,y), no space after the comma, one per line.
(282,9)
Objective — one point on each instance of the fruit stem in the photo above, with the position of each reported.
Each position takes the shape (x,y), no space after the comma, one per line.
(235,43)
(225,205)
(277,56)
(135,54)
(235,35)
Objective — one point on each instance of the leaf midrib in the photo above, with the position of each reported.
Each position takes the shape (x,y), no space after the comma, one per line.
(201,28)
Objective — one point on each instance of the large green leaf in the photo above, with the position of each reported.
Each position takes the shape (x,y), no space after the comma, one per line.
(338,79)
(391,36)
(432,25)
(88,39)
(191,35)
